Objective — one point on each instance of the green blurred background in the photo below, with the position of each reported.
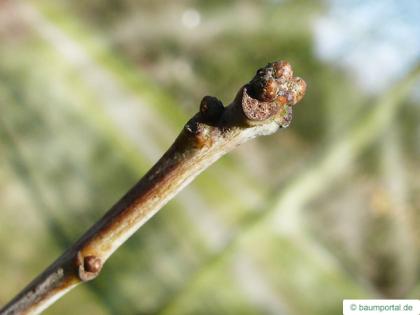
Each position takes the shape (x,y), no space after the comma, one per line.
(93,92)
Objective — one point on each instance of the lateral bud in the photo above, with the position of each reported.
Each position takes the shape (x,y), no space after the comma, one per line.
(88,266)
(211,108)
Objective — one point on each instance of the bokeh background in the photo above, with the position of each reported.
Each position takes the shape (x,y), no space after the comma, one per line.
(93,92)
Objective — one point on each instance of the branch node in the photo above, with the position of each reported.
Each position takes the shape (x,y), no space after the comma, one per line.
(89,266)
(271,93)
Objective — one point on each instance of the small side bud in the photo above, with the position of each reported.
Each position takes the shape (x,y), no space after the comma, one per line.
(92,264)
(299,89)
(88,266)
(270,90)
(211,108)
(282,69)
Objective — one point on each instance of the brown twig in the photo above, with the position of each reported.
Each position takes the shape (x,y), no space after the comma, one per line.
(260,107)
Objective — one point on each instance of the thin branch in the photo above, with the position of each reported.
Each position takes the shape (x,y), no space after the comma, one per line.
(260,107)
(285,205)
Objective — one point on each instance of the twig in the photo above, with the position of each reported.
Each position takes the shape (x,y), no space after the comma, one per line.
(261,107)
(283,207)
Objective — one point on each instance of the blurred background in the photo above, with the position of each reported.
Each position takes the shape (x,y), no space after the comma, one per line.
(93,92)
